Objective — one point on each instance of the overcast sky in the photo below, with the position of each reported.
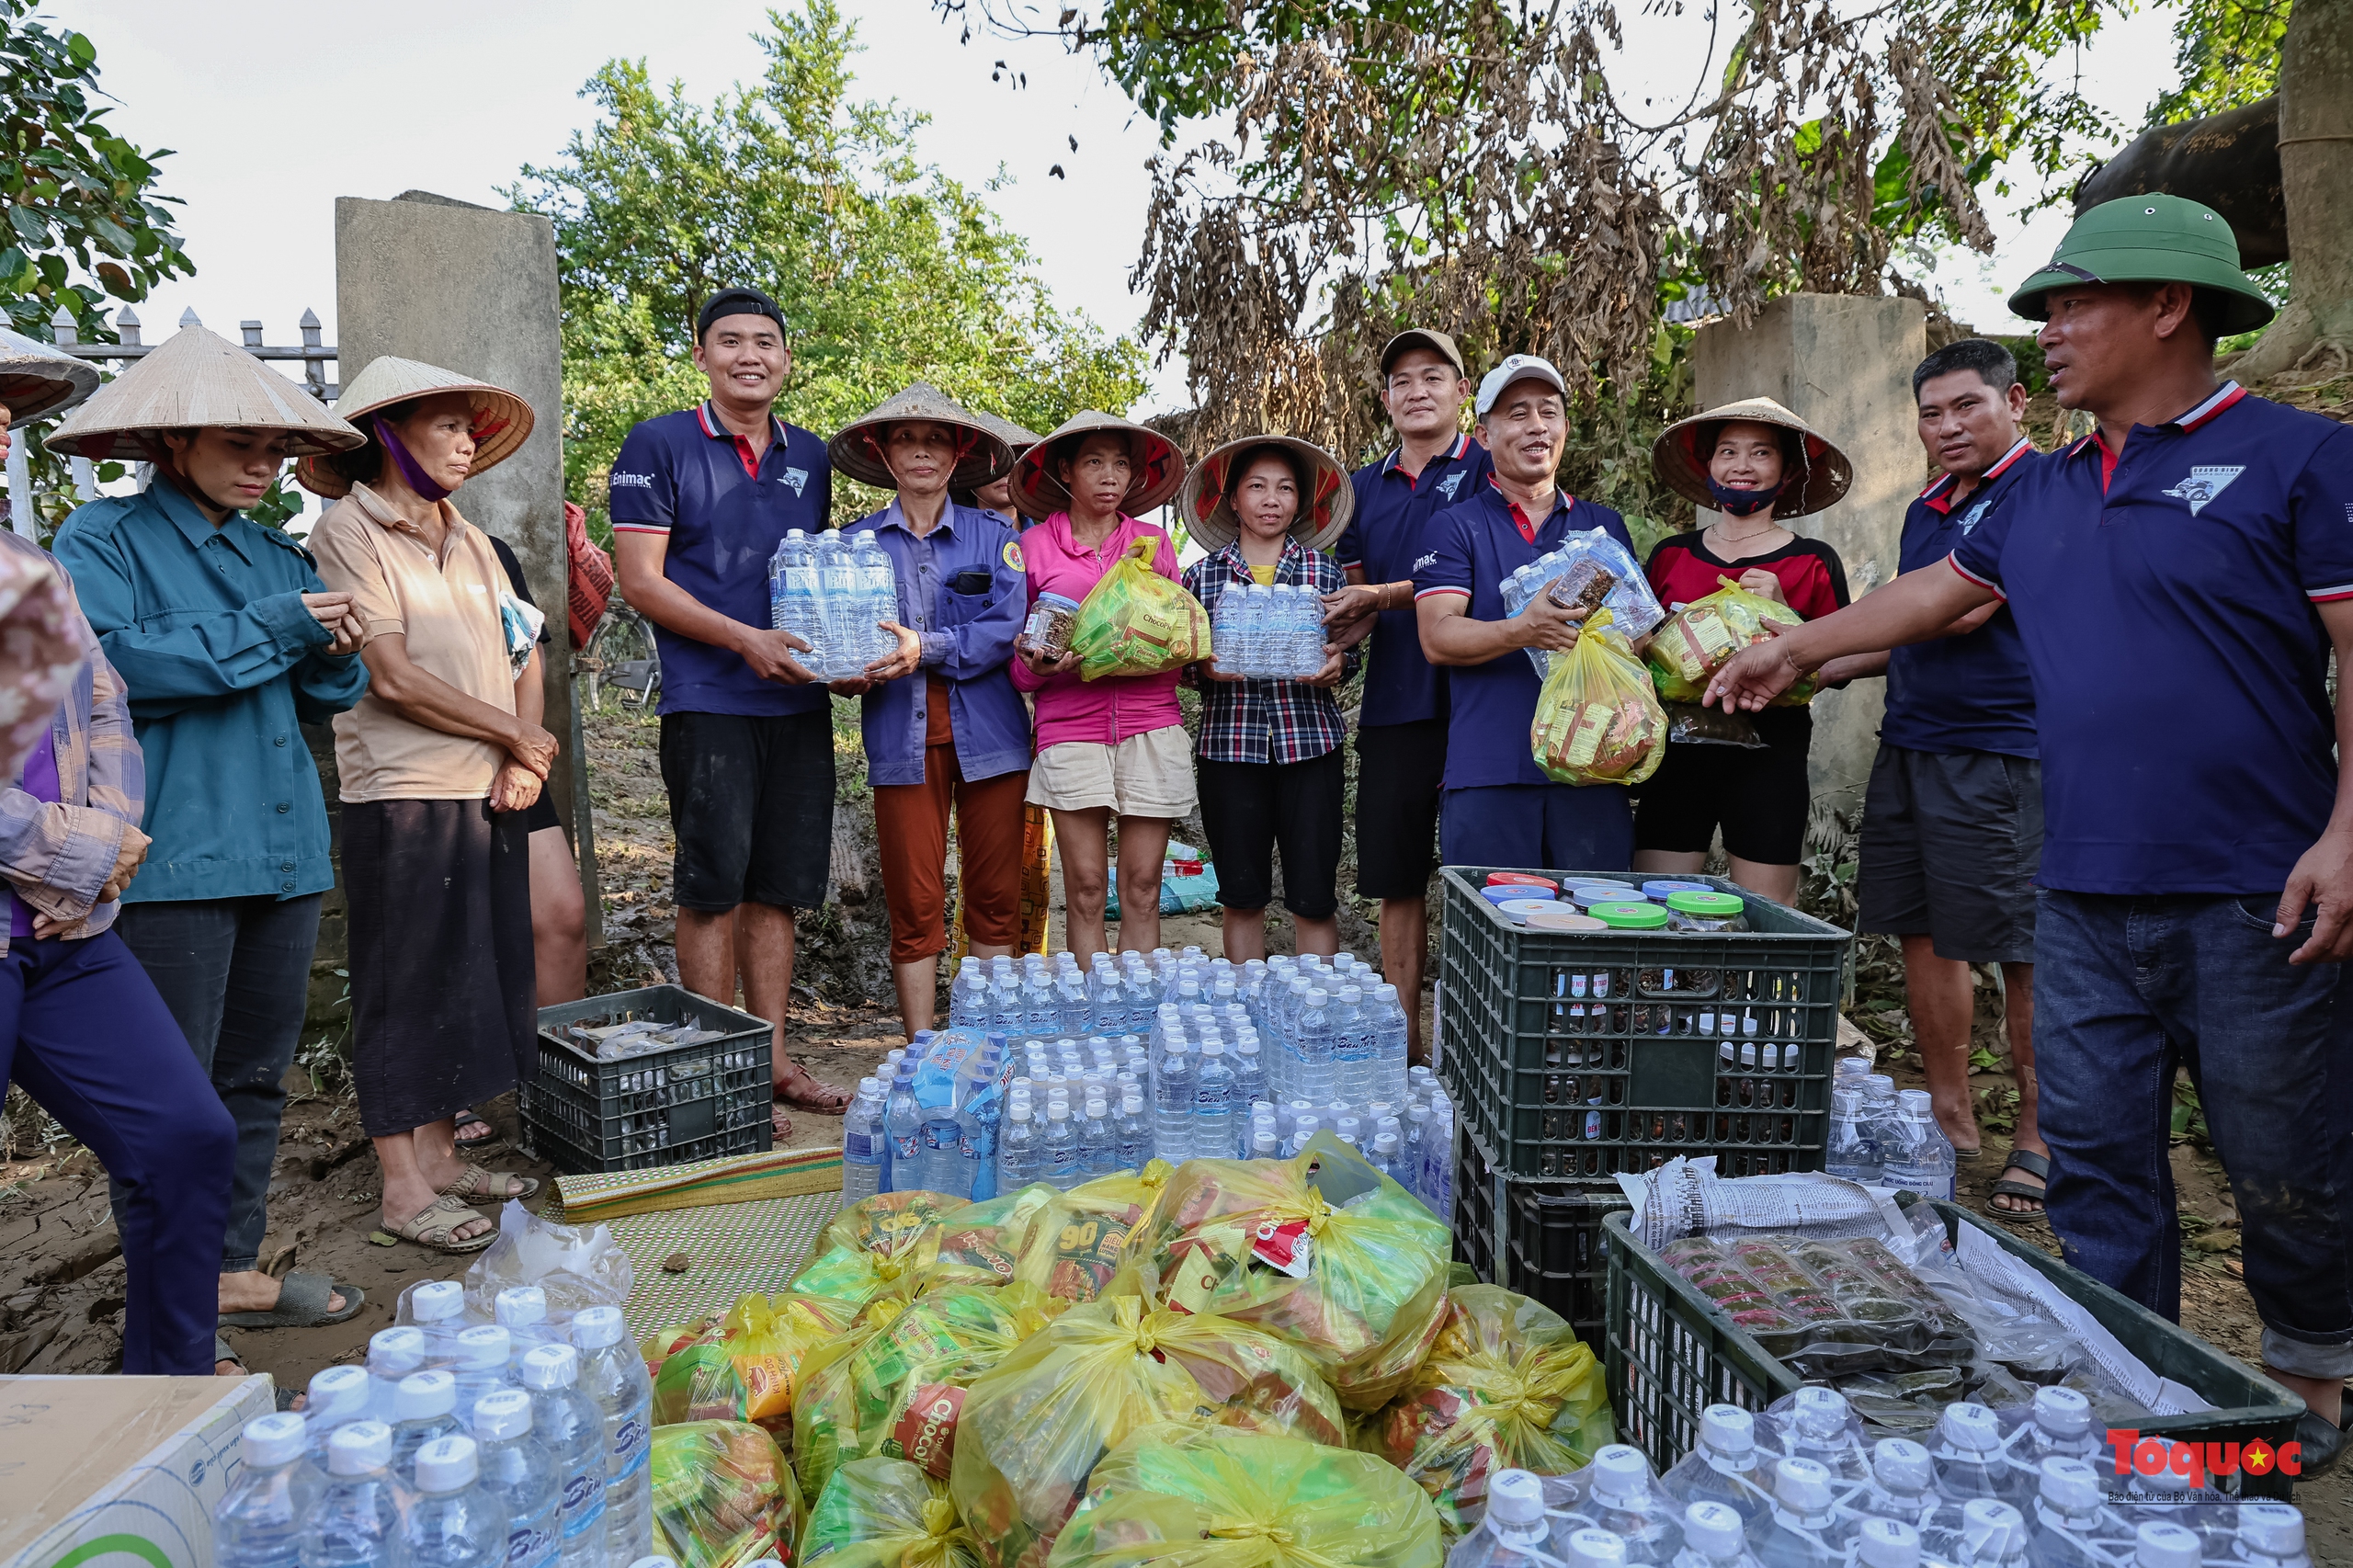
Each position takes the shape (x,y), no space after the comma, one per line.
(275,109)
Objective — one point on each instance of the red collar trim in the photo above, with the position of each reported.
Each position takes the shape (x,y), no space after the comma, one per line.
(1565,502)
(744,453)
(1942,504)
(1462,445)
(2229,392)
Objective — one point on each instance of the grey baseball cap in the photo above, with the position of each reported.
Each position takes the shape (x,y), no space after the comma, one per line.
(1438,342)
(1519,367)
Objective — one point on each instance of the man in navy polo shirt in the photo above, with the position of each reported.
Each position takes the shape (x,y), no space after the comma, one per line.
(1953,822)
(1499,809)
(1401,727)
(700,501)
(2180,579)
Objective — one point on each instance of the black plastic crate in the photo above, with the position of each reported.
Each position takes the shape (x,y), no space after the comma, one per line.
(1670,1354)
(1541,1239)
(688,1102)
(1578,1055)
(1478,1240)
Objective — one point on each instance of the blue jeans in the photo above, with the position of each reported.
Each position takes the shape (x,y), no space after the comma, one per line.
(2126,990)
(1563,827)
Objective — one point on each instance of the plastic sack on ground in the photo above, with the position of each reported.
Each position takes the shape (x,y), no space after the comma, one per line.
(883,1513)
(1212,1499)
(1598,720)
(1033,1428)
(1321,1250)
(745,1367)
(1136,622)
(1083,1235)
(1697,640)
(1507,1385)
(722,1495)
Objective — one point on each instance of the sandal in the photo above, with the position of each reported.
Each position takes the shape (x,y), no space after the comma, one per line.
(807,1093)
(475,1184)
(436,1226)
(2034,1165)
(302,1303)
(481,1141)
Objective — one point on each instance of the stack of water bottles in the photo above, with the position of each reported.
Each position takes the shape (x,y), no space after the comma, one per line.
(517,1444)
(833,594)
(1799,1487)
(1269,632)
(1634,611)
(1885,1139)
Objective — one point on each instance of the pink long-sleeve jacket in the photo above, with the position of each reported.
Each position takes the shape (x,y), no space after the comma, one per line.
(1105,712)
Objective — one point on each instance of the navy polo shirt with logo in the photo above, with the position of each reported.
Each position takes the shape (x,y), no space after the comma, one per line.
(1474,546)
(1972,692)
(2166,598)
(1388,538)
(687,476)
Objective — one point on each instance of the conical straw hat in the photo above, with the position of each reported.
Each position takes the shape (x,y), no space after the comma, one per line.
(1006,430)
(1159,466)
(502,423)
(37,378)
(1206,504)
(1683,468)
(194,380)
(857,448)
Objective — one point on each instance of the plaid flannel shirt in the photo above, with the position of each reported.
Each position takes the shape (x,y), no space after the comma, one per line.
(1266,721)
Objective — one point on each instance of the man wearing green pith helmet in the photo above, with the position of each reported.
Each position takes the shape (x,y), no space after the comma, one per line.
(2180,578)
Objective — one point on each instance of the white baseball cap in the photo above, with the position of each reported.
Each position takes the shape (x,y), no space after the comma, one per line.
(1519,367)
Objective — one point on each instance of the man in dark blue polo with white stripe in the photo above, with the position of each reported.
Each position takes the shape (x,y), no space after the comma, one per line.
(2180,577)
(700,501)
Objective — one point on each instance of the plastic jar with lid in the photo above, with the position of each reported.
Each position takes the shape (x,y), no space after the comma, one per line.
(1659,889)
(1629,914)
(1051,621)
(1706,910)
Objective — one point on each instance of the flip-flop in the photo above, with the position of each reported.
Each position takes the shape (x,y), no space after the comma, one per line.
(302,1303)
(2034,1165)
(221,1352)
(475,1184)
(482,1142)
(437,1223)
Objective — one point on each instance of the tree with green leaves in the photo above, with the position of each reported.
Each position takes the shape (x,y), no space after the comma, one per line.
(887,271)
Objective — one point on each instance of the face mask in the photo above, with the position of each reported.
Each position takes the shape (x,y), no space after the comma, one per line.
(1737,503)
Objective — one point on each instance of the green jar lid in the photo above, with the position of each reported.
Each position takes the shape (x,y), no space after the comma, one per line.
(1717,904)
(1630,916)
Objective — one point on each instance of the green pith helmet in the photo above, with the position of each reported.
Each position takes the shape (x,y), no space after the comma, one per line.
(2150,239)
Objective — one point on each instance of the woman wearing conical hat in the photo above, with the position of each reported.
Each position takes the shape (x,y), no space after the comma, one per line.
(227,643)
(1752,465)
(943,724)
(439,766)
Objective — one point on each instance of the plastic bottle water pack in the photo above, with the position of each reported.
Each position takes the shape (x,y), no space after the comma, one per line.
(1269,632)
(834,594)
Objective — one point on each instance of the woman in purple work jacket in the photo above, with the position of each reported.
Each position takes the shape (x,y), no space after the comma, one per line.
(944,727)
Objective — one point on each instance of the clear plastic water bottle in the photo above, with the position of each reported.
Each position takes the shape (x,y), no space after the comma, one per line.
(1514,1534)
(864,1145)
(1248,1064)
(1059,1149)
(2157,1544)
(1413,1151)
(982,1109)
(1098,1146)
(1724,1468)
(485,1352)
(1073,1010)
(1969,1457)
(1311,630)
(941,1154)
(2069,1521)
(455,1521)
(1020,1156)
(1173,1105)
(1389,1031)
(424,1408)
(1819,1426)
(967,995)
(1622,1498)
(902,1126)
(522,1312)
(1384,1155)
(1352,1045)
(613,1377)
(566,1425)
(438,1307)
(259,1523)
(880,585)
(1852,1153)
(1712,1538)
(1994,1535)
(392,1354)
(1886,1543)
(841,606)
(1926,1161)
(338,1396)
(1903,1482)
(2271,1535)
(519,1470)
(2059,1425)
(1226,634)
(1132,1132)
(794,590)
(355,1523)
(1318,1047)
(1800,1529)
(1213,1132)
(1437,1160)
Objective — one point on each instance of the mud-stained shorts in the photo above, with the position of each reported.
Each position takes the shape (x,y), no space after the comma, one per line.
(752,807)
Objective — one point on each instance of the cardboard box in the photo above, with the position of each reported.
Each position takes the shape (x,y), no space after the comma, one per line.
(118,1473)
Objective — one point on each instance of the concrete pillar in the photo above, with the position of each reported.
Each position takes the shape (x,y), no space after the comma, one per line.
(475,290)
(1844,365)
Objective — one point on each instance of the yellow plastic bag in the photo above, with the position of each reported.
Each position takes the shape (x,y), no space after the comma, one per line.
(883,1513)
(983,1243)
(887,1244)
(1136,622)
(1351,1269)
(1033,1428)
(722,1495)
(1597,721)
(1508,1385)
(743,1368)
(1700,639)
(1209,1499)
(1082,1235)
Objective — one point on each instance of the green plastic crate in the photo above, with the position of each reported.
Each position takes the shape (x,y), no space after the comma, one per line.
(1526,1076)
(688,1102)
(1670,1354)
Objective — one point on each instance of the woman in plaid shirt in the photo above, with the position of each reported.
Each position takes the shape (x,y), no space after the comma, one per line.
(1268,760)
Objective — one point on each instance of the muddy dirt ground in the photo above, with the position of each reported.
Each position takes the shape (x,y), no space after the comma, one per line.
(60,1267)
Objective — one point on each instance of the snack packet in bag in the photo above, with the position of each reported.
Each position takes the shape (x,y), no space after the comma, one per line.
(722,1495)
(1507,1385)
(1321,1250)
(1033,1426)
(883,1513)
(983,1243)
(743,1368)
(1597,721)
(1209,1499)
(1136,622)
(1697,640)
(889,1242)
(1083,1234)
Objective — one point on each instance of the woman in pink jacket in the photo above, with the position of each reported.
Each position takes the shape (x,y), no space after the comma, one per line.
(1115,747)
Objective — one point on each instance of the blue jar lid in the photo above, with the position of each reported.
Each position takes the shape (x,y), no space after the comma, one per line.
(1661,889)
(1506,893)
(1586,898)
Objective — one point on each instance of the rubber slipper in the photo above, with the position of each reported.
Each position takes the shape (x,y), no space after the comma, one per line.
(827,1101)
(480,1142)
(302,1303)
(2034,1165)
(436,1225)
(475,1184)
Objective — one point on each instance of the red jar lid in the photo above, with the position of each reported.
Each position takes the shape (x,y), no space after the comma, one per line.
(1520,880)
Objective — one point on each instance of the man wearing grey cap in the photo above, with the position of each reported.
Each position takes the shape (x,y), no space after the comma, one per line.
(1498,808)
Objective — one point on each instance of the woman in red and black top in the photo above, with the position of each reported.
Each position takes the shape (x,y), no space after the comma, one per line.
(1752,463)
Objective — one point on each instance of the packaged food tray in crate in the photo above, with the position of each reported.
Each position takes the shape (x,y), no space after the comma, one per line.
(1542,1239)
(1578,1055)
(1672,1352)
(652,1104)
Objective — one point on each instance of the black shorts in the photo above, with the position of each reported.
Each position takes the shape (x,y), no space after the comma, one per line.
(540,813)
(1251,809)
(1399,769)
(752,807)
(1760,797)
(1951,846)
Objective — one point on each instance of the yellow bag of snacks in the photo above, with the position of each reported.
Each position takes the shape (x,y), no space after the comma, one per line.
(1597,721)
(1083,1234)
(1321,1250)
(722,1495)
(883,1513)
(1507,1385)
(983,1243)
(1136,622)
(888,1243)
(743,1368)
(1033,1427)
(1211,1499)
(1700,639)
